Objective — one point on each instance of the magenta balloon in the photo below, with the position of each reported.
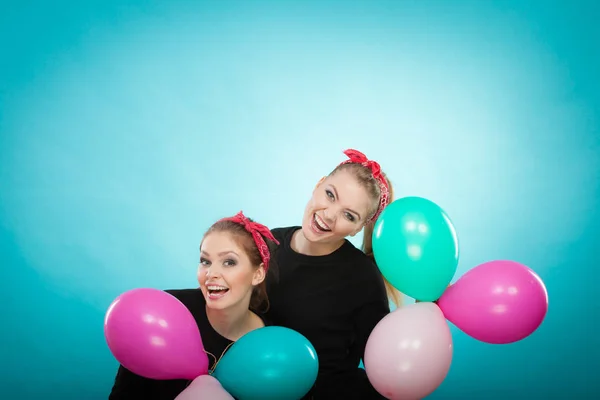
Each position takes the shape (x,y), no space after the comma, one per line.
(496,302)
(151,333)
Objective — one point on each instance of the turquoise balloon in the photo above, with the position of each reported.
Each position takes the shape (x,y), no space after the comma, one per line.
(267,364)
(416,247)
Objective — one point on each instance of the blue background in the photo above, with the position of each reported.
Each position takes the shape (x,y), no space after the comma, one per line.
(127,128)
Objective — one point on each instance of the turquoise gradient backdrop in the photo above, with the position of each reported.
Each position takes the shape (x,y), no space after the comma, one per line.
(126,128)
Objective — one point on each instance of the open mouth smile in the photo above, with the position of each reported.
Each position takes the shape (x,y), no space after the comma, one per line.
(318,225)
(216,292)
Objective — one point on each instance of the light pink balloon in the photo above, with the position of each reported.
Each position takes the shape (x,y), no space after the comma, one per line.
(151,333)
(496,302)
(205,387)
(409,353)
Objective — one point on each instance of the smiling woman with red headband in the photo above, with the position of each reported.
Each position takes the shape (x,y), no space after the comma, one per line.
(328,290)
(235,255)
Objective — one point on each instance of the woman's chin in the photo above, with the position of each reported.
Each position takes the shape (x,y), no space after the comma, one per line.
(315,236)
(217,301)
(216,306)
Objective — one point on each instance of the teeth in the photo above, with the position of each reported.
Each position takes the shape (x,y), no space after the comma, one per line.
(216,287)
(321,223)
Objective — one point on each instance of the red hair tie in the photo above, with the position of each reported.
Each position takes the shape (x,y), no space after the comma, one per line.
(356,157)
(257,231)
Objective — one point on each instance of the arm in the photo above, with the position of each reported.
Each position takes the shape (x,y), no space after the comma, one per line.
(368,315)
(131,386)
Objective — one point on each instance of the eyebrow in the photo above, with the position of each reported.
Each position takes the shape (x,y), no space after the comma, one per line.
(221,254)
(337,196)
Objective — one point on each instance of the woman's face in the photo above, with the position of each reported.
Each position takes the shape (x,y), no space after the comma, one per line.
(339,207)
(226,275)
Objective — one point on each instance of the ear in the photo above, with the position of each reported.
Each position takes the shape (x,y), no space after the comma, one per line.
(259,275)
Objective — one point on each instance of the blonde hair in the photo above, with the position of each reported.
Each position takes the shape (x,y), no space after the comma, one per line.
(364,176)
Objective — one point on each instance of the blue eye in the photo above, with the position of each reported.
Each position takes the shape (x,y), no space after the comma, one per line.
(204,261)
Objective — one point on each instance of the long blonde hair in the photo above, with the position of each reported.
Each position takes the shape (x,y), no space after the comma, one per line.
(365,177)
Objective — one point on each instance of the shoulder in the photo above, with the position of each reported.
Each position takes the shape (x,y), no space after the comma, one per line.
(283,233)
(189,297)
(260,320)
(264,316)
(358,257)
(364,266)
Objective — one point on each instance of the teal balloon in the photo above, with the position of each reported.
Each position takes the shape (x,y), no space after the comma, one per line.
(416,247)
(267,364)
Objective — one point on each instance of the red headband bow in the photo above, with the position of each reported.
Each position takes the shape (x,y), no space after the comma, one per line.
(357,157)
(257,231)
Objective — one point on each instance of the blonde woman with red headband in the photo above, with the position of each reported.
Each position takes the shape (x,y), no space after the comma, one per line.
(235,255)
(327,289)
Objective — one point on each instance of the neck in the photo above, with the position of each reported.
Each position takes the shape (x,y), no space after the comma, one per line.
(301,245)
(231,323)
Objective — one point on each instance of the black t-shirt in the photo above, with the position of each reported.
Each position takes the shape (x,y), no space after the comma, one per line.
(335,301)
(128,385)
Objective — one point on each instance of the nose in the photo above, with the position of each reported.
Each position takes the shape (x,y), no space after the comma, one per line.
(211,272)
(326,215)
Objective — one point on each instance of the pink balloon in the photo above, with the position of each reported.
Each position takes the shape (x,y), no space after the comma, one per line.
(496,302)
(205,387)
(151,333)
(409,353)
